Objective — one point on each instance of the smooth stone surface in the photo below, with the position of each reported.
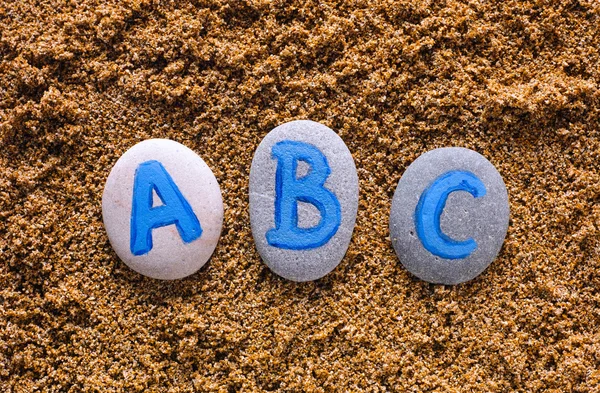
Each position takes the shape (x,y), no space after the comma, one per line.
(483,219)
(170,257)
(316,261)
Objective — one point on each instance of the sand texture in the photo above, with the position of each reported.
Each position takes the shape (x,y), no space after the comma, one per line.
(82,81)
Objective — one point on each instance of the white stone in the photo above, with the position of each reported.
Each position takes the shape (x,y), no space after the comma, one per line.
(170,257)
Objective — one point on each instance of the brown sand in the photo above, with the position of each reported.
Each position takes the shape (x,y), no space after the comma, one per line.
(82,81)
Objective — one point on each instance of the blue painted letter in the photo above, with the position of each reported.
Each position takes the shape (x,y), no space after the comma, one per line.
(429,211)
(289,190)
(152,176)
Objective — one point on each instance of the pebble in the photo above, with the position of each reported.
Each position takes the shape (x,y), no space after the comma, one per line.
(169,227)
(449,215)
(303,200)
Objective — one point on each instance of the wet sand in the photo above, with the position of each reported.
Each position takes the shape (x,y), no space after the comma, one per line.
(82,81)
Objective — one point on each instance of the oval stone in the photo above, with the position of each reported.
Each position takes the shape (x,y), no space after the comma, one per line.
(303,200)
(449,215)
(162,209)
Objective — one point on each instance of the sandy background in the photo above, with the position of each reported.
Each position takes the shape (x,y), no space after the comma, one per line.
(82,81)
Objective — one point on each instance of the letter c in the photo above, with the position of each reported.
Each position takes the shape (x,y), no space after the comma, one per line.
(431,206)
(289,190)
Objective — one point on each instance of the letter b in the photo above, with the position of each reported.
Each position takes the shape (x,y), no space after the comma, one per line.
(289,190)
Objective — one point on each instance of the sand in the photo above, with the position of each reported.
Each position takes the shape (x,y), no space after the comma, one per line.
(82,81)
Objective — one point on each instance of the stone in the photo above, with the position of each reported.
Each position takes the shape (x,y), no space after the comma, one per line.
(162,209)
(303,200)
(449,215)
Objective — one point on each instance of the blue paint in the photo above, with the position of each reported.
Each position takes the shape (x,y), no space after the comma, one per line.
(429,211)
(289,190)
(152,176)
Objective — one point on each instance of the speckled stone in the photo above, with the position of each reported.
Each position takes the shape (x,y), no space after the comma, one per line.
(171,255)
(484,218)
(316,260)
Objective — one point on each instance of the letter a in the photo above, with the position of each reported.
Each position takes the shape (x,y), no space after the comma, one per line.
(151,176)
(289,190)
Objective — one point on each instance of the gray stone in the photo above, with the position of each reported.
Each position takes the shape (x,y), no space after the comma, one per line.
(171,254)
(436,257)
(304,254)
